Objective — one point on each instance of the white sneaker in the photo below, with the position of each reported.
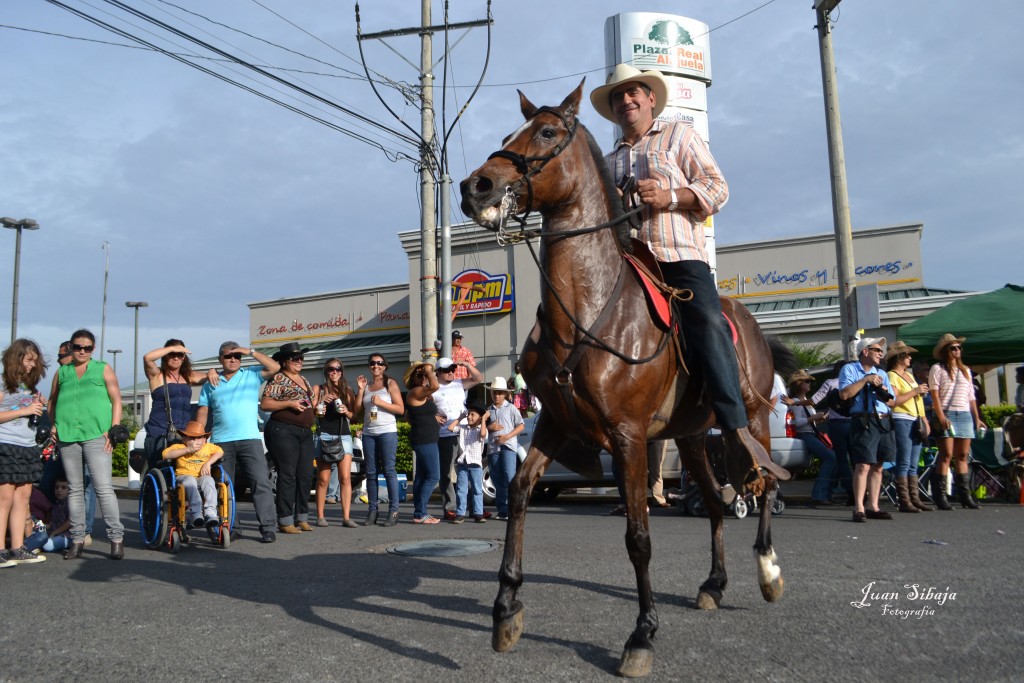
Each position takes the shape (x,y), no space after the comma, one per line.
(88,541)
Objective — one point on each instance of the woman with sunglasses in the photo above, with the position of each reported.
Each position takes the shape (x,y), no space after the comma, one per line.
(956,416)
(85,402)
(335,404)
(170,388)
(381,403)
(908,423)
(289,399)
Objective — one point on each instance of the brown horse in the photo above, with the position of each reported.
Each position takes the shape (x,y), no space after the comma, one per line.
(604,369)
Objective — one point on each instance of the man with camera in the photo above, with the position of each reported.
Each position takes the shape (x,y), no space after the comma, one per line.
(872,441)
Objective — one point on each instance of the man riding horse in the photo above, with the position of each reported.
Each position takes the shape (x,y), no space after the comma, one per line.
(681,185)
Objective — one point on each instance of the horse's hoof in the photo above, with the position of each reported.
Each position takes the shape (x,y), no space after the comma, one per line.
(769,576)
(636,662)
(506,632)
(708,600)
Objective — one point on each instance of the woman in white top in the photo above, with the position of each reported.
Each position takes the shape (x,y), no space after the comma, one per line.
(956,416)
(380,400)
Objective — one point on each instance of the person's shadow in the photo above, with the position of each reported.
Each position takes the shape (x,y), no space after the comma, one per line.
(379,584)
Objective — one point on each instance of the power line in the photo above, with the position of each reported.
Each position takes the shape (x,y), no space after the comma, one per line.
(394,155)
(262,72)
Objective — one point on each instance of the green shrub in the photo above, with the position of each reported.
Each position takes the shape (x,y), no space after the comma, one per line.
(119,461)
(993,416)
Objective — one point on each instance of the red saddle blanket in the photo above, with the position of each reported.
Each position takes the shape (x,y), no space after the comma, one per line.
(658,300)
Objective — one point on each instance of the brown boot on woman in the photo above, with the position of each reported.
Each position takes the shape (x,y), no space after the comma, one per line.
(905,504)
(74,552)
(915,494)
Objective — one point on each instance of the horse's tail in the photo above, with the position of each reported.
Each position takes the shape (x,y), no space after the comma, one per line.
(783,358)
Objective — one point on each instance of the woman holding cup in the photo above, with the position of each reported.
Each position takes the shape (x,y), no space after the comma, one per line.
(335,404)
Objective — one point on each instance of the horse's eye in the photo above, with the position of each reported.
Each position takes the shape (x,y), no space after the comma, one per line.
(547,133)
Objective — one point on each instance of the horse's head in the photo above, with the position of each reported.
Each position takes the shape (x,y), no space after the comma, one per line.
(527,173)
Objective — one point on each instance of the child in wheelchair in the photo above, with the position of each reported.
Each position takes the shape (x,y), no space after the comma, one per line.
(192,462)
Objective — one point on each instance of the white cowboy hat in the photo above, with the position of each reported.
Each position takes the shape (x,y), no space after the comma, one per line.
(499,384)
(624,73)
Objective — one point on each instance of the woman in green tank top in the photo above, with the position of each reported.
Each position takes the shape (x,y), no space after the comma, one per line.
(85,401)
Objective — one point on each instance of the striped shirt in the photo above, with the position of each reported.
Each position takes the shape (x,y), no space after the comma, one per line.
(955,393)
(675,156)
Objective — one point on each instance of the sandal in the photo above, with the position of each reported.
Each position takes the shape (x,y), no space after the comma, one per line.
(426,520)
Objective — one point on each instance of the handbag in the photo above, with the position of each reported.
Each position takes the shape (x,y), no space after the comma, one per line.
(332,451)
(822,436)
(172,432)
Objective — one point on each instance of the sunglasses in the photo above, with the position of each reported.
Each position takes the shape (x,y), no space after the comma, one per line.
(874,349)
(955,347)
(297,359)
(176,354)
(79,347)
(450,369)
(333,369)
(232,356)
(378,363)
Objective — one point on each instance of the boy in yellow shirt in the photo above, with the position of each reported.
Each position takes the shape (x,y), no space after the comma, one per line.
(193,459)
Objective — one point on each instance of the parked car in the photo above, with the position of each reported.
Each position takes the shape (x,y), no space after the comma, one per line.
(787,451)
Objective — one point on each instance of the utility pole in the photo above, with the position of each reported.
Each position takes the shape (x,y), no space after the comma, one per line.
(837,168)
(429,165)
(106,276)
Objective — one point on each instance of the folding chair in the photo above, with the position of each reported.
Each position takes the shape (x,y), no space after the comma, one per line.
(988,468)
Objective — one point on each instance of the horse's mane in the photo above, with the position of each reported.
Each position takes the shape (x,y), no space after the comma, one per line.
(614,200)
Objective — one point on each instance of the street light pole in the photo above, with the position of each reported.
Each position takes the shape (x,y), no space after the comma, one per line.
(135,358)
(17,226)
(114,352)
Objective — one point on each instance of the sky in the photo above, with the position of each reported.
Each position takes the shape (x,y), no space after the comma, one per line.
(209,197)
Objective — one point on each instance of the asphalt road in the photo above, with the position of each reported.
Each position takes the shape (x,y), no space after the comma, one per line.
(336,605)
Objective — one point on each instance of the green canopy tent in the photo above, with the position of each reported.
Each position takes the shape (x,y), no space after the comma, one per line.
(992,322)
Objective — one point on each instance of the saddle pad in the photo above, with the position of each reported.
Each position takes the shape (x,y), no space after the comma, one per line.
(656,299)
(659,302)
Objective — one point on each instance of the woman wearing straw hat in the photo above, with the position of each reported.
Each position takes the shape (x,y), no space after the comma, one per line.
(506,423)
(805,421)
(956,416)
(909,425)
(424,432)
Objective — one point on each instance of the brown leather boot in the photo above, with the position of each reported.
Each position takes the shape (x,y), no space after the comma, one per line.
(963,492)
(744,456)
(905,505)
(915,494)
(939,490)
(74,552)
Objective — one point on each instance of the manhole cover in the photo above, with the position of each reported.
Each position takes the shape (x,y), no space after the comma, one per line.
(447,547)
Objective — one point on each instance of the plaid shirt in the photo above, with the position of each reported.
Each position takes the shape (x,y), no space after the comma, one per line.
(461,354)
(675,156)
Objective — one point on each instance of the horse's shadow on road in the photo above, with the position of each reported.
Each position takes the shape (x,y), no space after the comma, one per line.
(375,585)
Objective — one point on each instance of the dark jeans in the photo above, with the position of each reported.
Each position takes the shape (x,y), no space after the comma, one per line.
(381,449)
(292,448)
(447,448)
(249,456)
(839,432)
(426,477)
(709,339)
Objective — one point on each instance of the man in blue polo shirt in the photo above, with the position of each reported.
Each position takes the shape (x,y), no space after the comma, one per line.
(233,398)
(871,437)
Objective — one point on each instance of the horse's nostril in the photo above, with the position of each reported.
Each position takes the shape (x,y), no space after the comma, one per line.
(483,185)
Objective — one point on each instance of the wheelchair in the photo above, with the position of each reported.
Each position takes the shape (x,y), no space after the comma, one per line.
(163,507)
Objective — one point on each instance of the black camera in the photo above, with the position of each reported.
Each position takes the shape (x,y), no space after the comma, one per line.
(880,393)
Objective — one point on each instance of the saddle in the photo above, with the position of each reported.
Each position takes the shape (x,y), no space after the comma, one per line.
(645,266)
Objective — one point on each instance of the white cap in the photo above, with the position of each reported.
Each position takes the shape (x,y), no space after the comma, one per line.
(868,341)
(445,363)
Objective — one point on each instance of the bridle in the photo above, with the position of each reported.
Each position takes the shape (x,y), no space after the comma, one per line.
(531,166)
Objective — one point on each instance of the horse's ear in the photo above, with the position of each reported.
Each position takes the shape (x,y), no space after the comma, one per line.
(526,106)
(571,103)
